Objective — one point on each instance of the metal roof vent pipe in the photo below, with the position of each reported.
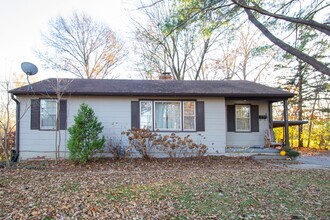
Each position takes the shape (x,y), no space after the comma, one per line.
(166,76)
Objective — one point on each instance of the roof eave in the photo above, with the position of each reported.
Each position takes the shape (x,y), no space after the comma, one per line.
(225,95)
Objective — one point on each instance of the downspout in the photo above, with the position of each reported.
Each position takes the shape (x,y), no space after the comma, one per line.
(18,110)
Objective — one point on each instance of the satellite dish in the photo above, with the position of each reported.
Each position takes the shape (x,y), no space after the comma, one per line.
(29,68)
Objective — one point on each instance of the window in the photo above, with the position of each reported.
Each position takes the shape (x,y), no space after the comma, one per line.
(167,115)
(146,114)
(242,118)
(243,113)
(44,114)
(48,114)
(189,115)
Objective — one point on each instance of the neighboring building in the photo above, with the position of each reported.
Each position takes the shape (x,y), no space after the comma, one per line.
(226,113)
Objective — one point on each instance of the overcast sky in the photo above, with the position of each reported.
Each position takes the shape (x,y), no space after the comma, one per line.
(22,21)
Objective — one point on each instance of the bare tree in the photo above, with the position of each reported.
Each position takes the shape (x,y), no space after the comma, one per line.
(7,117)
(182,51)
(6,124)
(59,86)
(81,46)
(256,55)
(243,54)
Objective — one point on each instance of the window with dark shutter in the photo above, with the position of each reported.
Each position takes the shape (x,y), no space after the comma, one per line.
(200,116)
(168,115)
(231,118)
(254,118)
(35,114)
(135,114)
(63,115)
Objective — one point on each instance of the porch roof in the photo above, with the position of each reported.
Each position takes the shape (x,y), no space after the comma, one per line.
(280,123)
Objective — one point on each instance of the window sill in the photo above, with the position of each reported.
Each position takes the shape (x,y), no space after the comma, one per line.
(51,129)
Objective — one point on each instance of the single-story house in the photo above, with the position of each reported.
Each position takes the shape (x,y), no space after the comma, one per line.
(225,113)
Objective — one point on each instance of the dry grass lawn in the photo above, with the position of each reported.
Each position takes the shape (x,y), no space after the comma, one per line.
(214,188)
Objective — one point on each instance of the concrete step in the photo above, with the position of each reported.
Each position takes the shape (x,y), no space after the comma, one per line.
(269,157)
(253,150)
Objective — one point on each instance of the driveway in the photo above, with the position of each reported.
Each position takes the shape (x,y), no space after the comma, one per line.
(312,162)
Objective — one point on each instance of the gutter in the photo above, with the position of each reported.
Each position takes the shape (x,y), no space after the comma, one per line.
(18,111)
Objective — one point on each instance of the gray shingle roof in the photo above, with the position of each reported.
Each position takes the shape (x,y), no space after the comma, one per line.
(114,87)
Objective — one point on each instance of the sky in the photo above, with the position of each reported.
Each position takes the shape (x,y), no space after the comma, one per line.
(23,21)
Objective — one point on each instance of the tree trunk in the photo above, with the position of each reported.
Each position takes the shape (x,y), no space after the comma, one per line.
(311,121)
(300,103)
(6,127)
(206,46)
(58,131)
(286,47)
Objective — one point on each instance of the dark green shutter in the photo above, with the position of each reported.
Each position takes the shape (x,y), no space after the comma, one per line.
(35,114)
(63,115)
(135,114)
(254,118)
(231,118)
(200,116)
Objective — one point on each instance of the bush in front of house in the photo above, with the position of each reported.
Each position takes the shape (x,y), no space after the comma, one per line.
(147,142)
(143,141)
(85,138)
(176,146)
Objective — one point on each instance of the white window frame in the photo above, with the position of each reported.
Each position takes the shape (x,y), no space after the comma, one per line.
(180,115)
(48,127)
(236,121)
(194,128)
(152,119)
(153,124)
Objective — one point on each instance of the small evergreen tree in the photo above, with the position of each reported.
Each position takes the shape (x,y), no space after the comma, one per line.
(84,139)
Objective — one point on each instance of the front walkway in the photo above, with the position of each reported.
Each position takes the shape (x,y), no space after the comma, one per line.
(305,161)
(312,162)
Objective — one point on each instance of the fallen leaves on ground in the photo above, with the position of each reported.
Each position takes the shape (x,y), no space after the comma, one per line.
(213,188)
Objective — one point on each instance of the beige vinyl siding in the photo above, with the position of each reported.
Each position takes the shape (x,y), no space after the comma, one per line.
(36,143)
(115,115)
(239,139)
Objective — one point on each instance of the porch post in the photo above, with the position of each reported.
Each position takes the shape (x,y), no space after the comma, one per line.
(270,116)
(286,123)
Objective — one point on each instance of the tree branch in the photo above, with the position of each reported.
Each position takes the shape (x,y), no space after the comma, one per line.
(311,23)
(295,52)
